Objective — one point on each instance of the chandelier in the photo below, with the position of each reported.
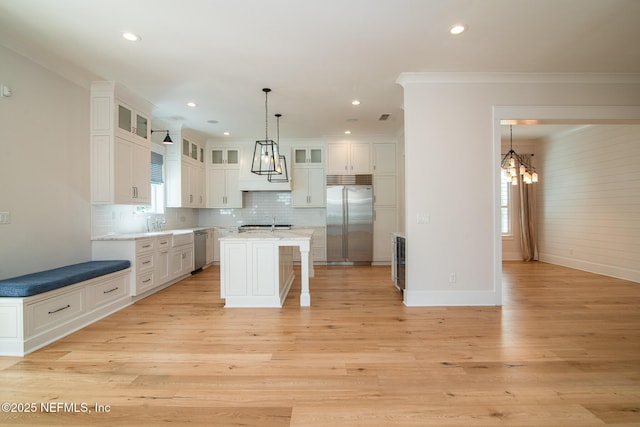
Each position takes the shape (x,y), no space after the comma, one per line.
(514,164)
(266,156)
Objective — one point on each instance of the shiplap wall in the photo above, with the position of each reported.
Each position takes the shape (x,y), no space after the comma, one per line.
(589,200)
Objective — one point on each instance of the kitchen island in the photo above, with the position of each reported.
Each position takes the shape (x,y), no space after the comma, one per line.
(256,268)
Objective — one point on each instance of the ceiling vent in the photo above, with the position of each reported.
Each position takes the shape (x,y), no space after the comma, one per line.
(383,117)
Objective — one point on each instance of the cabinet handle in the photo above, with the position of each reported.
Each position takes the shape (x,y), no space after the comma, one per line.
(146,281)
(146,246)
(146,262)
(111,290)
(346,167)
(164,243)
(60,309)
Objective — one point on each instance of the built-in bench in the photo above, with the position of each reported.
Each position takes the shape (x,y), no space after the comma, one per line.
(39,308)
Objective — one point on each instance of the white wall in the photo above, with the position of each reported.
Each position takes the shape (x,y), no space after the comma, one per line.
(589,200)
(44,169)
(452,172)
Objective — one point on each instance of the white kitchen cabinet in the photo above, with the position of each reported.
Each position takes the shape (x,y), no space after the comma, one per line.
(181,254)
(348,158)
(223,175)
(308,187)
(185,169)
(192,186)
(192,151)
(384,158)
(120,158)
(132,173)
(224,158)
(133,124)
(222,188)
(210,244)
(181,261)
(384,225)
(308,156)
(384,190)
(162,265)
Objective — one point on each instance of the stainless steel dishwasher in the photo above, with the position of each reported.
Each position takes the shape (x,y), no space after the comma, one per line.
(199,249)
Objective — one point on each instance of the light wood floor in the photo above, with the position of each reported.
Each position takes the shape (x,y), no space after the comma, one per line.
(564,350)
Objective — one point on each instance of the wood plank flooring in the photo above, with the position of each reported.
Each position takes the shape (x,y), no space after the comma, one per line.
(564,350)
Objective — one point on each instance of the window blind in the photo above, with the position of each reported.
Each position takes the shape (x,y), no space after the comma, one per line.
(156,168)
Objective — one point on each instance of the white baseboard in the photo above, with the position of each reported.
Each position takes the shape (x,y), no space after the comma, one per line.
(592,267)
(451,298)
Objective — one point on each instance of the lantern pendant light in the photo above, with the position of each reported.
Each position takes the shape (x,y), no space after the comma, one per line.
(283,175)
(266,156)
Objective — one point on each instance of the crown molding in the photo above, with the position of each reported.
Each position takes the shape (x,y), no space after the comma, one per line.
(407,78)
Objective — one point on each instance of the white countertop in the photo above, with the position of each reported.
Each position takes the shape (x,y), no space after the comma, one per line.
(144,235)
(293,234)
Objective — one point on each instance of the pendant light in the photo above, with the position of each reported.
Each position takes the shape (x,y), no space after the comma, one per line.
(266,157)
(283,174)
(513,164)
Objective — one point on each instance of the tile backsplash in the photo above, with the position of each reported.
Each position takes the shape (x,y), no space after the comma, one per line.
(259,208)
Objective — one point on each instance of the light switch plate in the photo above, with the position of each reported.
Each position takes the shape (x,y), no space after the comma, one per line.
(5,91)
(5,218)
(423,218)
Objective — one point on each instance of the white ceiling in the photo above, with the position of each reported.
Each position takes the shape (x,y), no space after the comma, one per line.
(315,55)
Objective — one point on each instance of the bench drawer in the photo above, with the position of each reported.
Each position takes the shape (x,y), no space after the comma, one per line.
(51,312)
(104,292)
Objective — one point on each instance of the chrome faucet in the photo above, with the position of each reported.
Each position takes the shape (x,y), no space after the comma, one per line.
(273,224)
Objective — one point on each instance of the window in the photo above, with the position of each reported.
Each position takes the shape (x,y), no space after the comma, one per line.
(157,183)
(505,211)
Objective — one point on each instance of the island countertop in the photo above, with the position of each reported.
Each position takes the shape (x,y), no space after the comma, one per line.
(293,234)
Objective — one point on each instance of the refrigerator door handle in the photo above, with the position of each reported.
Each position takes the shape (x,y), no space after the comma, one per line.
(345,222)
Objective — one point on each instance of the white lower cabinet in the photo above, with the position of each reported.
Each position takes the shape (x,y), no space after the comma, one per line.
(384,225)
(181,255)
(210,251)
(153,262)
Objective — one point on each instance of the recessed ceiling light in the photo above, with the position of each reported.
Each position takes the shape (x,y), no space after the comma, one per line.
(347,132)
(457,29)
(192,104)
(227,134)
(132,37)
(213,122)
(355,102)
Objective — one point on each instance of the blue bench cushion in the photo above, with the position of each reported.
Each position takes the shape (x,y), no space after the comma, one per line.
(43,281)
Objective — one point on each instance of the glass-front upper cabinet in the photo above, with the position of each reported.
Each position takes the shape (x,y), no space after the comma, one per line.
(225,157)
(132,122)
(308,156)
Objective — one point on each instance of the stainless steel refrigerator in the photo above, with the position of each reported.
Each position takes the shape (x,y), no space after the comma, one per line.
(349,219)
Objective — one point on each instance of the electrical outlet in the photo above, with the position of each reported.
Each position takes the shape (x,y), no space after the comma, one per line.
(452,277)
(5,218)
